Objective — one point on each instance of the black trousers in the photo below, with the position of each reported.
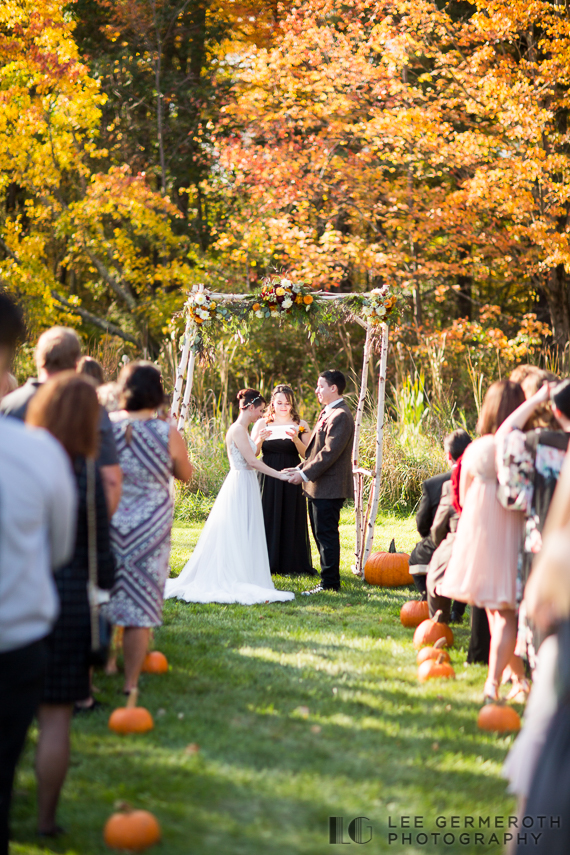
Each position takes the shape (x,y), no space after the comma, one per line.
(324,515)
(22,673)
(480,640)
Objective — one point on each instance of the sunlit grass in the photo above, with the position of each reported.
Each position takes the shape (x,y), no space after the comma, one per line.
(302,711)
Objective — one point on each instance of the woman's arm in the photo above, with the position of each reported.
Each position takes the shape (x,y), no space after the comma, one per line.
(300,441)
(521,415)
(240,436)
(259,434)
(181,466)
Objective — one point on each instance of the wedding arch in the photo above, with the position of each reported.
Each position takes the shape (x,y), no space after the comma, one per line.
(281,300)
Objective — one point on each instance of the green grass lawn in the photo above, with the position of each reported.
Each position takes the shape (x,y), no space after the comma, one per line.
(302,711)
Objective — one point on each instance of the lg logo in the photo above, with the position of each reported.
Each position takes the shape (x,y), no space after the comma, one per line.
(357,830)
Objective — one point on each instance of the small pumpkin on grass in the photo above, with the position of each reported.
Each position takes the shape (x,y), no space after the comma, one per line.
(130,718)
(131,830)
(498,718)
(434,652)
(430,631)
(435,669)
(414,612)
(388,569)
(155,662)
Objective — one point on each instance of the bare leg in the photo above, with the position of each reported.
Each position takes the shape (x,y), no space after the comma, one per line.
(135,647)
(52,760)
(503,625)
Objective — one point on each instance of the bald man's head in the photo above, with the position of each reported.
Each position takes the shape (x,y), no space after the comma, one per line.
(58,349)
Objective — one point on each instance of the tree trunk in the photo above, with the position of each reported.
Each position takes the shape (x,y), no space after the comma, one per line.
(556,288)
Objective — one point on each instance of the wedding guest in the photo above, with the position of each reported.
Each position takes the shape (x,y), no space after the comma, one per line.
(539,762)
(88,365)
(59,349)
(483,566)
(422,553)
(531,378)
(284,505)
(108,395)
(150,451)
(327,475)
(439,541)
(67,407)
(37,528)
(529,463)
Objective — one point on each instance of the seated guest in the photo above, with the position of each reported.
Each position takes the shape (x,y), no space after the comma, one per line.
(442,533)
(67,406)
(454,446)
(58,349)
(37,529)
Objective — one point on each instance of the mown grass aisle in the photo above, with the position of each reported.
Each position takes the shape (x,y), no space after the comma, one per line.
(301,711)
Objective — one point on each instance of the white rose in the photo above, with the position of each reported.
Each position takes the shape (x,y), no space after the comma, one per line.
(203,314)
(367,311)
(199,299)
(287,303)
(381,311)
(259,314)
(286,283)
(376,291)
(296,288)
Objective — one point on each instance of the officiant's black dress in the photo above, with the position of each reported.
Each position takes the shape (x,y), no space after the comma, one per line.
(285,513)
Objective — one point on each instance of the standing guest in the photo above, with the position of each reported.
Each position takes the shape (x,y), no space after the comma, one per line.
(88,365)
(282,436)
(529,465)
(68,408)
(150,451)
(327,475)
(483,566)
(454,446)
(442,530)
(37,527)
(531,378)
(58,349)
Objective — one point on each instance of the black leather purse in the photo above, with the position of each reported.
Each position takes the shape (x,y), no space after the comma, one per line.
(101,628)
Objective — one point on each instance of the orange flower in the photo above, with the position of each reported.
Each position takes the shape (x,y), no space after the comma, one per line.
(298,298)
(307,299)
(256,307)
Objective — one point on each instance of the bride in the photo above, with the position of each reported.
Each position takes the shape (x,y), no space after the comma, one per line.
(230,563)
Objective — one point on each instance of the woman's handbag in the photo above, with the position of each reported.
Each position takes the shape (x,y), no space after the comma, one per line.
(101,629)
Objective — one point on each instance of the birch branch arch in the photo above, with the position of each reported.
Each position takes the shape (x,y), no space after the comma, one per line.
(365,512)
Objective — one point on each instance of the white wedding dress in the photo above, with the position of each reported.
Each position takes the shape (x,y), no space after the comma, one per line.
(230,563)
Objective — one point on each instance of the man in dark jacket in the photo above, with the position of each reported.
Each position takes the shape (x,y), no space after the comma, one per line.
(454,444)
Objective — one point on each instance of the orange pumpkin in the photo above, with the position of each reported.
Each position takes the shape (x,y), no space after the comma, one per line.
(434,669)
(388,569)
(155,662)
(498,718)
(131,719)
(414,612)
(434,652)
(131,830)
(430,630)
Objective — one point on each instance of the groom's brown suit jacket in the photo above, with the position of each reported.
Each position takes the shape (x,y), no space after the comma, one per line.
(328,464)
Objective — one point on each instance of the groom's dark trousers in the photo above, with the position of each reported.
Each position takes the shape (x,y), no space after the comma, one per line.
(328,469)
(324,515)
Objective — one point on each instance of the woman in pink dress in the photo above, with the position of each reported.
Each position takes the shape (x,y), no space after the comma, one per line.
(483,566)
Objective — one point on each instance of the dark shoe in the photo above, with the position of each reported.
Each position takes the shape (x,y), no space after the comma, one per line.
(78,709)
(318,589)
(455,618)
(56,831)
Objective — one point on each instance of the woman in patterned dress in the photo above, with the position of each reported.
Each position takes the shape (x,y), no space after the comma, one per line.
(150,452)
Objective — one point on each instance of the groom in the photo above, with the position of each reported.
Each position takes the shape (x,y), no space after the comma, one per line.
(326,474)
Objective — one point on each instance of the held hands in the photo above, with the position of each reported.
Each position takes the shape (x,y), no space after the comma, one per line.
(295,477)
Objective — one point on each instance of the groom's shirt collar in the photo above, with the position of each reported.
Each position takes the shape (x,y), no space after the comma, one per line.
(329,407)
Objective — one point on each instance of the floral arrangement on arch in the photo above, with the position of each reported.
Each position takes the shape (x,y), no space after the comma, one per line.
(201,308)
(378,305)
(280,296)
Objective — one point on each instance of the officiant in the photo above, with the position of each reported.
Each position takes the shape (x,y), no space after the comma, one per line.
(281,437)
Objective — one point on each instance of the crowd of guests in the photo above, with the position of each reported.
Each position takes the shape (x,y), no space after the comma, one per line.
(86,510)
(497,513)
